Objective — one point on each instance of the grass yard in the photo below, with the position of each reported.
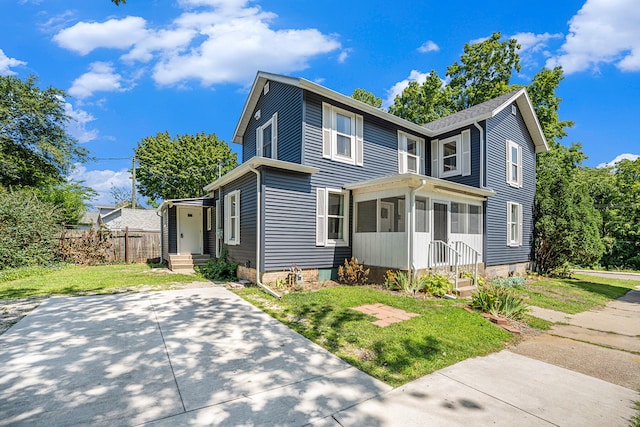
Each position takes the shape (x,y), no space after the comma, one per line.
(575,295)
(442,335)
(74,280)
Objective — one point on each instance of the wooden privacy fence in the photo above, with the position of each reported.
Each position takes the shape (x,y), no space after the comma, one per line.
(127,246)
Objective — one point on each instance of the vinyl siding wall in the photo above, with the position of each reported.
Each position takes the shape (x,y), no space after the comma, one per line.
(246,250)
(500,128)
(286,100)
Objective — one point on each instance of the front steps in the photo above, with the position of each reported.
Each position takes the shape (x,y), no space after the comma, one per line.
(465,288)
(187,262)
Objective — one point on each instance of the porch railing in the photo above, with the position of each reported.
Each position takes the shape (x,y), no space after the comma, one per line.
(450,259)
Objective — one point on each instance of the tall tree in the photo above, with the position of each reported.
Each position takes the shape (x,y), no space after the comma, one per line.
(367,97)
(542,92)
(484,71)
(35,148)
(423,103)
(179,167)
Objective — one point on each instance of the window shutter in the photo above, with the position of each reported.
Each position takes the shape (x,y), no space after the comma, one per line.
(226,219)
(359,141)
(402,153)
(326,130)
(274,139)
(321,217)
(434,158)
(520,165)
(520,223)
(507,162)
(259,141)
(508,222)
(466,153)
(421,151)
(237,193)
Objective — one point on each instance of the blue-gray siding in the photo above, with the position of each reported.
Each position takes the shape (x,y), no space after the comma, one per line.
(245,252)
(500,128)
(287,102)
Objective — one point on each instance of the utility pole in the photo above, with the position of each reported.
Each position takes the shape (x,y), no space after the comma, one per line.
(133,182)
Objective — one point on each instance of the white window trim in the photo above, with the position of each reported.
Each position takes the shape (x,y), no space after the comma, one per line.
(227,218)
(509,162)
(441,143)
(514,241)
(273,122)
(209,219)
(330,136)
(403,153)
(322,217)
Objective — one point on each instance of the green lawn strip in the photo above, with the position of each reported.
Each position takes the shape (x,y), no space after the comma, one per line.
(536,322)
(73,280)
(575,295)
(442,335)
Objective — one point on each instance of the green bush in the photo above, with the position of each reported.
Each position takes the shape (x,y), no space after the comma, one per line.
(479,281)
(28,230)
(562,271)
(509,282)
(499,301)
(435,284)
(353,273)
(219,268)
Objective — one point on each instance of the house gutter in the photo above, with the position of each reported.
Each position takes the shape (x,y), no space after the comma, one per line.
(412,225)
(482,159)
(259,234)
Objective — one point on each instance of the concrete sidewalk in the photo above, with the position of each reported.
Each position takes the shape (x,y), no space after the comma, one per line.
(207,357)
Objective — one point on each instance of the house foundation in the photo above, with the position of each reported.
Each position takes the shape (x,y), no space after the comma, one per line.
(506,270)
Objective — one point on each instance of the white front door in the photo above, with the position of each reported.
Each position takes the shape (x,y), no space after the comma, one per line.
(189,230)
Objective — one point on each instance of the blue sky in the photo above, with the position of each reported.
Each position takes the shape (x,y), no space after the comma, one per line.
(185,66)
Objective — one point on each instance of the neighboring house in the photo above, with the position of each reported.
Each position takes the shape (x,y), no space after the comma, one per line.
(88,221)
(325,177)
(119,218)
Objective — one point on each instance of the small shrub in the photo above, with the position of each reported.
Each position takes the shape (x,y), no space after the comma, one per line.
(219,268)
(509,282)
(352,272)
(435,284)
(409,285)
(562,271)
(479,281)
(499,301)
(390,280)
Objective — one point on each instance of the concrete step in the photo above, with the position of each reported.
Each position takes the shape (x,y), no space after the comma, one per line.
(464,291)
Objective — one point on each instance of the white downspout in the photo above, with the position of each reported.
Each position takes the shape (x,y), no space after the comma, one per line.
(482,160)
(258,234)
(412,221)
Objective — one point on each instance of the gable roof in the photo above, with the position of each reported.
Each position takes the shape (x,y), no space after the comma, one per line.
(465,117)
(135,219)
(490,108)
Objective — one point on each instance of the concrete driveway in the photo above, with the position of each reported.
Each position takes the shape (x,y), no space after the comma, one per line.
(206,357)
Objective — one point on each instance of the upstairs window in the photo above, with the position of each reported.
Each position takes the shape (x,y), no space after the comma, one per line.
(514,164)
(410,153)
(267,138)
(451,156)
(342,135)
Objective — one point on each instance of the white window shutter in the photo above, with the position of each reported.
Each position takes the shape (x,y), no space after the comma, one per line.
(421,150)
(326,130)
(466,152)
(227,212)
(321,217)
(520,223)
(434,158)
(508,161)
(508,222)
(520,165)
(237,242)
(274,138)
(259,141)
(359,140)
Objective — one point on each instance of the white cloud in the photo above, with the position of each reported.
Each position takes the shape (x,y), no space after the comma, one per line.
(77,127)
(531,42)
(397,88)
(478,40)
(212,41)
(84,37)
(602,32)
(101,78)
(625,156)
(7,63)
(101,180)
(429,46)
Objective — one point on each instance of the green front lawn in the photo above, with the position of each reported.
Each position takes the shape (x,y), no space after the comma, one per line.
(575,295)
(442,335)
(74,280)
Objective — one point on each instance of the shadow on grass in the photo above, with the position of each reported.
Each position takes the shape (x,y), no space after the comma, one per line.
(609,291)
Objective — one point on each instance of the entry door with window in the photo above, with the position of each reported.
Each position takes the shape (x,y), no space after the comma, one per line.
(189,230)
(440,229)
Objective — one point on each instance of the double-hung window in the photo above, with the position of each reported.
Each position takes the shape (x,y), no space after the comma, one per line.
(514,224)
(332,217)
(232,218)
(451,156)
(342,135)
(514,164)
(410,153)
(267,138)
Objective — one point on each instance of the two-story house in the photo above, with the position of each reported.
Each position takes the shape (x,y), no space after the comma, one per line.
(325,177)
